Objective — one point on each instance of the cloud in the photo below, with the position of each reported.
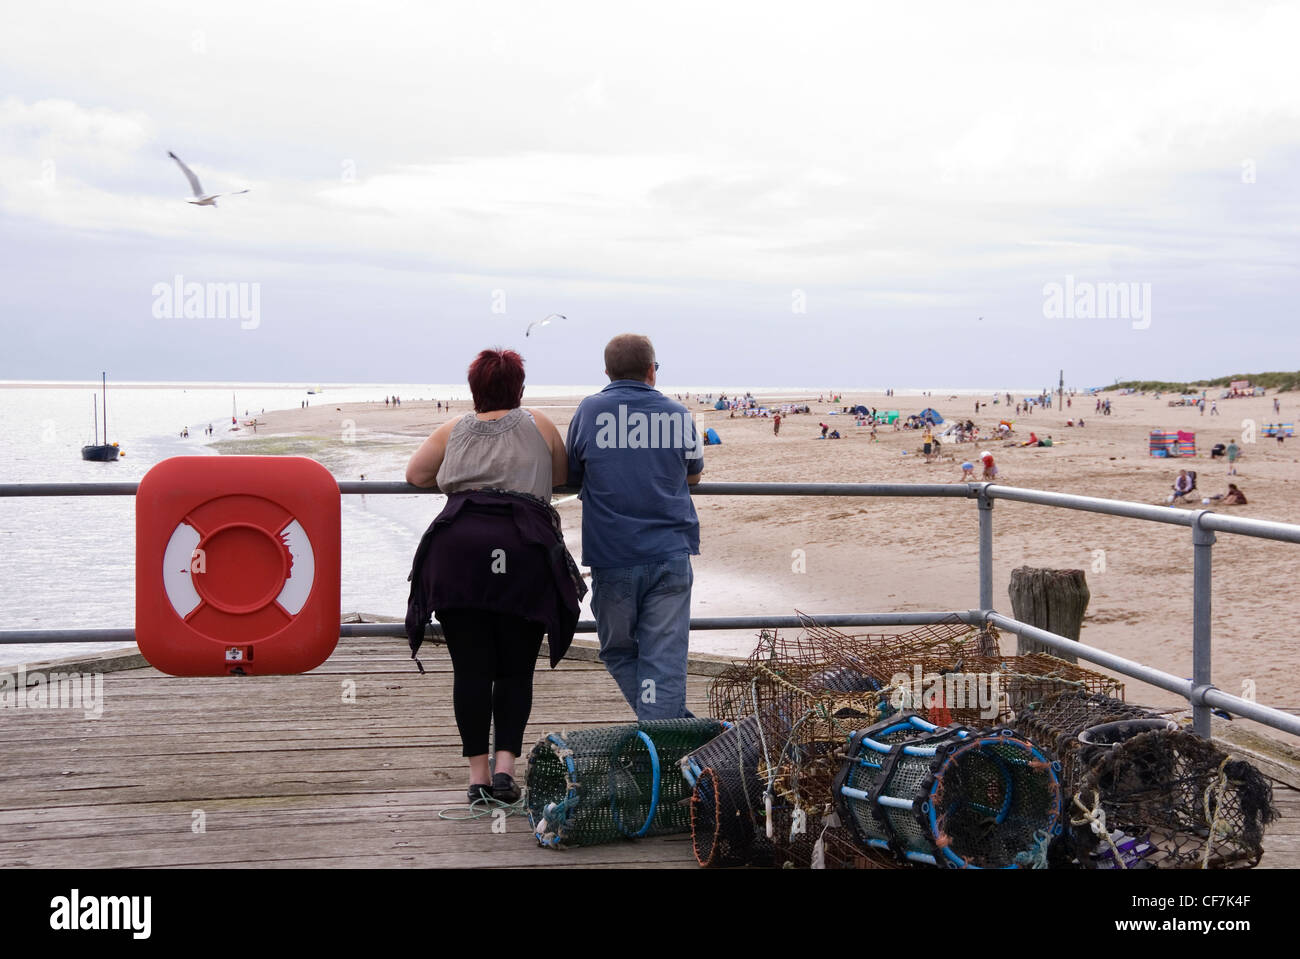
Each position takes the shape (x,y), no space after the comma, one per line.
(864,154)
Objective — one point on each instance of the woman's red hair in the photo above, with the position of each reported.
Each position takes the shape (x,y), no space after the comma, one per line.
(496,380)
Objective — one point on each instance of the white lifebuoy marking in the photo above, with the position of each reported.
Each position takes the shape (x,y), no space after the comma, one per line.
(179,583)
(302,569)
(177,580)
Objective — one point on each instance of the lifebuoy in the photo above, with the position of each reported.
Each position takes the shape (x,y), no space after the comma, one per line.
(238,564)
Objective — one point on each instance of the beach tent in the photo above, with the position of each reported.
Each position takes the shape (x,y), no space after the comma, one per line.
(860,411)
(720,405)
(711,436)
(889,416)
(932,415)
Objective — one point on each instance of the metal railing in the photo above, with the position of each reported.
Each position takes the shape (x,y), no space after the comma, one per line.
(1199,691)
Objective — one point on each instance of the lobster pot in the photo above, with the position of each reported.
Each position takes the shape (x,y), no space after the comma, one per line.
(723,831)
(1054,725)
(727,810)
(1156,796)
(590,786)
(801,790)
(948,796)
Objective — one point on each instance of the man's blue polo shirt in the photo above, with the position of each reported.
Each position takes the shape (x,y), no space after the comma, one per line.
(631,449)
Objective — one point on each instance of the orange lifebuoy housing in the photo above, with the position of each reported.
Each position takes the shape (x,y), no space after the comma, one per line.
(237,565)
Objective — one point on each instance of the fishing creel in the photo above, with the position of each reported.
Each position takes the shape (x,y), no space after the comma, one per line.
(948,796)
(589,786)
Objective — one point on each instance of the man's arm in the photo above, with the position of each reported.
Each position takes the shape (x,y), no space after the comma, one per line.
(694,463)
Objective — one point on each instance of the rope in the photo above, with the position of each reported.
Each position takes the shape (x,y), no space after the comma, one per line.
(482,809)
(1215,789)
(1095,819)
(1037,858)
(767,758)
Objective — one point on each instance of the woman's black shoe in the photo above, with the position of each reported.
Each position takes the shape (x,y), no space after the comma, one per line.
(478,792)
(504,788)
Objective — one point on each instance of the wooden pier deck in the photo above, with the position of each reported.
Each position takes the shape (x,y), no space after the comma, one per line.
(283,771)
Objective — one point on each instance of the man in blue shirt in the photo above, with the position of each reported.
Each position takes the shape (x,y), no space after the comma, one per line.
(634,452)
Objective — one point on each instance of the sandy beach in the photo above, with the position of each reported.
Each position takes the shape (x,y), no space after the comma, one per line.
(865,555)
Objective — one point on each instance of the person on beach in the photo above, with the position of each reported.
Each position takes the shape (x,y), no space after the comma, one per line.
(492,566)
(927,444)
(990,468)
(776,425)
(1183,485)
(968,471)
(1233,452)
(1234,497)
(639,526)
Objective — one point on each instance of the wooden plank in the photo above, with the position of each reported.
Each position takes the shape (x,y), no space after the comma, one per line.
(287,774)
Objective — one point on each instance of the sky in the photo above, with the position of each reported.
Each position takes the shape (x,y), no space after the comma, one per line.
(852,194)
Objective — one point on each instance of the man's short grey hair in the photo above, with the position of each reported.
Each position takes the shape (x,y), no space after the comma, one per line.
(629,356)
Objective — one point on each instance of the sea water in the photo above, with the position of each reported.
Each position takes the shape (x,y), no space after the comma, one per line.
(69,561)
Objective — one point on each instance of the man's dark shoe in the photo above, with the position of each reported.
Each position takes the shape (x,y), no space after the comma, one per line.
(478,792)
(504,788)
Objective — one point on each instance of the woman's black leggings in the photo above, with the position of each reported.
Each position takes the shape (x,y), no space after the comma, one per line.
(493,655)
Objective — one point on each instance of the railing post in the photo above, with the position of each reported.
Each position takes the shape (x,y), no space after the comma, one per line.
(986,548)
(1202,568)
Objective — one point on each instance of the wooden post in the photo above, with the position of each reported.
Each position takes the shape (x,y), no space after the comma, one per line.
(1051,599)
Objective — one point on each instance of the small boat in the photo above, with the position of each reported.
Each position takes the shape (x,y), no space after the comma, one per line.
(105,452)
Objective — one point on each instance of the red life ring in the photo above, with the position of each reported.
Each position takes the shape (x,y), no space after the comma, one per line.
(238,563)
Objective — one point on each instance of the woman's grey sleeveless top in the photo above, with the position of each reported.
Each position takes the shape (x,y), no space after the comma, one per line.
(508,454)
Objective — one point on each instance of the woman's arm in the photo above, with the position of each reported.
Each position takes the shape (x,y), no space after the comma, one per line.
(423,468)
(559,458)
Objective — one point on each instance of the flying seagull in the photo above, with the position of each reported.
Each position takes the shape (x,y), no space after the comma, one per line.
(544,322)
(200,198)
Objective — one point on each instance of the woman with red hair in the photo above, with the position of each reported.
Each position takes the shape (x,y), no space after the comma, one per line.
(492,566)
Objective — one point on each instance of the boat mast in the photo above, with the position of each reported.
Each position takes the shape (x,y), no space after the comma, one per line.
(104,374)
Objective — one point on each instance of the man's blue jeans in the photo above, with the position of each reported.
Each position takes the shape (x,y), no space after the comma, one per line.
(643,618)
